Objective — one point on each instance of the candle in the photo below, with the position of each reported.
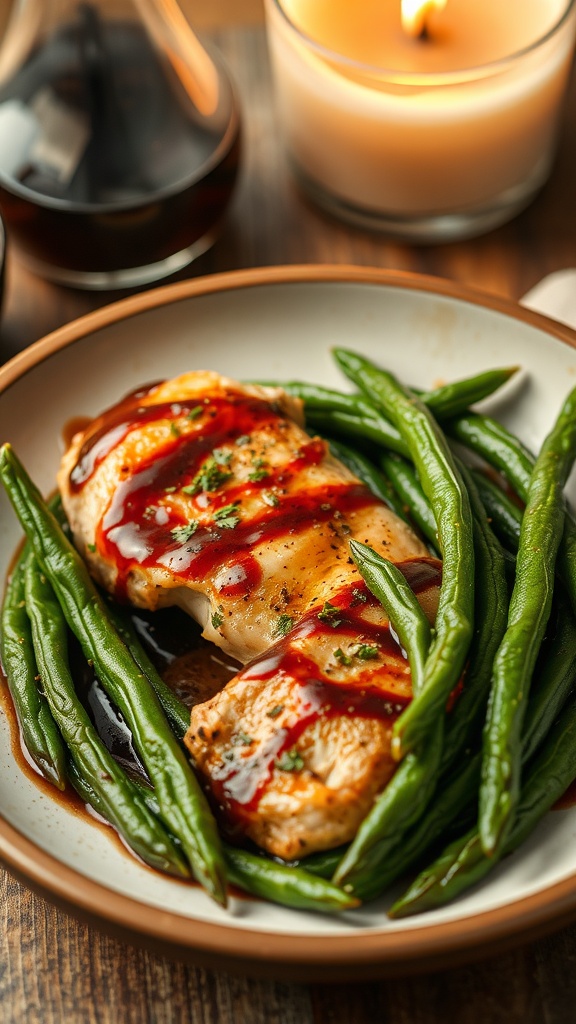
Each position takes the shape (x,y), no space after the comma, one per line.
(436,128)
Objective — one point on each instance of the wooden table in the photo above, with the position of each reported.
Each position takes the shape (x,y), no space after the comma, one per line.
(53,969)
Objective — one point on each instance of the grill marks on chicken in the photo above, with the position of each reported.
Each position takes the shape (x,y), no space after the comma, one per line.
(208,494)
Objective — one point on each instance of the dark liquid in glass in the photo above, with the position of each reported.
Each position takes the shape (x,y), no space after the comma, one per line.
(105,162)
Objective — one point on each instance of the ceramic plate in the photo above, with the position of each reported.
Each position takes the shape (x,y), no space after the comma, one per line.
(276,323)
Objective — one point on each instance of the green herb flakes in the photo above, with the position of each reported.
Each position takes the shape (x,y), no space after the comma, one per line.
(209,478)
(241,737)
(341,657)
(227,517)
(217,618)
(366,652)
(283,625)
(330,615)
(183,533)
(290,761)
(275,711)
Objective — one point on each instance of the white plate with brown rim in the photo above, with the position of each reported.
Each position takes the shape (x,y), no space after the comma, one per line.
(275,323)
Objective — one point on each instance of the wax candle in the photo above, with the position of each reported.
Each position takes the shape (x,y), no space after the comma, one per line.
(427,134)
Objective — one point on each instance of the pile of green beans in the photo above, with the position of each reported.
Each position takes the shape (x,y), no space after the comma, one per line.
(487,743)
(518,671)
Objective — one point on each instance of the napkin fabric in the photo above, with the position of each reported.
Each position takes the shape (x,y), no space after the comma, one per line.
(555,296)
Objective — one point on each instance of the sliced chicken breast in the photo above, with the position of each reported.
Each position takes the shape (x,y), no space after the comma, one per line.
(208,494)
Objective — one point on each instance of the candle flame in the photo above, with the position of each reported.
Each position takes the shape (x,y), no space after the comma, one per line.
(415,14)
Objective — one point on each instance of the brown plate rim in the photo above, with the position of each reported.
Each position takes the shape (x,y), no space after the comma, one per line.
(360,954)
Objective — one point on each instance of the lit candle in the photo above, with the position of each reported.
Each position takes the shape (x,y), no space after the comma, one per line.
(431,119)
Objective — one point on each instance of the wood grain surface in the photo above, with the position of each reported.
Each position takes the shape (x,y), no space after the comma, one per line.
(54,969)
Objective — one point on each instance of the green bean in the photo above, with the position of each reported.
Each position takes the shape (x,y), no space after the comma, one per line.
(366,471)
(403,478)
(323,863)
(117,800)
(374,428)
(412,785)
(503,514)
(397,808)
(443,487)
(462,724)
(458,789)
(184,808)
(456,397)
(406,617)
(321,399)
(175,710)
(352,416)
(491,612)
(454,802)
(287,885)
(446,400)
(496,445)
(463,862)
(505,452)
(530,606)
(554,679)
(38,730)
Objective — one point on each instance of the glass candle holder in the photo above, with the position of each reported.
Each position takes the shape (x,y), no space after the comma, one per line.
(425,152)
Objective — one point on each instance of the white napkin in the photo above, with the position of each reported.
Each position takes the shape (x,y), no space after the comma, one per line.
(555,296)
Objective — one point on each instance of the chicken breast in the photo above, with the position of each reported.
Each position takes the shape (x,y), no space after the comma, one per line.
(208,494)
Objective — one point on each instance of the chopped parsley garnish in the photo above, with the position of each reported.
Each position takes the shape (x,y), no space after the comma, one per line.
(243,439)
(341,657)
(359,596)
(194,413)
(271,499)
(243,738)
(169,490)
(91,547)
(289,761)
(366,651)
(275,711)
(330,615)
(209,478)
(227,517)
(283,625)
(217,618)
(183,533)
(258,474)
(174,430)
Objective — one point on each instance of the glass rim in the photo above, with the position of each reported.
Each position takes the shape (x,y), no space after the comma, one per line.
(416,78)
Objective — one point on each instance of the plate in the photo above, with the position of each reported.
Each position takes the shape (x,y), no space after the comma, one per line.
(275,323)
